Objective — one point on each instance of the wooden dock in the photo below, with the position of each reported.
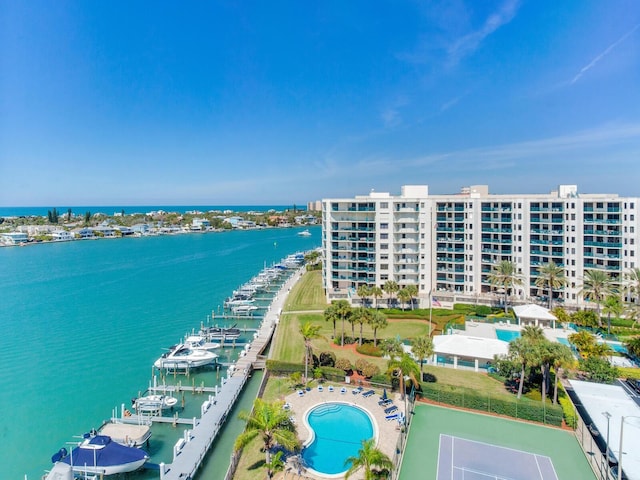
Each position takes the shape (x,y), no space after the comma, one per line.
(190,451)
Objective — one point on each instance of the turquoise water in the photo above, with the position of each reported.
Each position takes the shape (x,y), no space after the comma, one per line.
(83,322)
(339,430)
(507,335)
(564,341)
(616,346)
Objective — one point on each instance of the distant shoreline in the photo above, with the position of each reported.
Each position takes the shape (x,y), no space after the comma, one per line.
(109,210)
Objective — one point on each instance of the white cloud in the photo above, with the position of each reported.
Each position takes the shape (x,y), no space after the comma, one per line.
(470,42)
(600,56)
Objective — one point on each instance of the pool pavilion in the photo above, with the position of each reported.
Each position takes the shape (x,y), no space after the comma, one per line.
(532,314)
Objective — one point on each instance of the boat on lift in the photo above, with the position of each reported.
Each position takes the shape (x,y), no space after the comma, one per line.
(221,333)
(153,403)
(99,454)
(183,356)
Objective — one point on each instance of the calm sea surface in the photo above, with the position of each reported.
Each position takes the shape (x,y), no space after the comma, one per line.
(82,323)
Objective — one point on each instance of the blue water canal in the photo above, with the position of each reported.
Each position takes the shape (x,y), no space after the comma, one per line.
(82,323)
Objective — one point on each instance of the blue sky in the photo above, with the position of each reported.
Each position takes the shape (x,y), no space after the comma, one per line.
(281,102)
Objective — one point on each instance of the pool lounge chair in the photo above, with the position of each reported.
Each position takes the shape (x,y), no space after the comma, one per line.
(384,403)
(356,391)
(330,388)
(368,393)
(343,390)
(320,389)
(286,406)
(393,416)
(300,393)
(391,409)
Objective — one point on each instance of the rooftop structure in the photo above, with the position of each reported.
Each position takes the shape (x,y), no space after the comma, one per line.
(448,244)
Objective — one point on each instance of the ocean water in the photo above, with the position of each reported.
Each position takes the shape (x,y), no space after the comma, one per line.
(82,323)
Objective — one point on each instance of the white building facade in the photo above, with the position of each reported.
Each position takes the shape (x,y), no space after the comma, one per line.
(448,244)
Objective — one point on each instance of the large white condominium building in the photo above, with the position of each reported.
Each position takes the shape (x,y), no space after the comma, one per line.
(449,243)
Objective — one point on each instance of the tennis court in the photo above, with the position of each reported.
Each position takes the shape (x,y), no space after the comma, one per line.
(462,459)
(449,444)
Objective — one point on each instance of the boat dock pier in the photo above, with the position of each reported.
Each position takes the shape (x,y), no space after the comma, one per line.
(189,451)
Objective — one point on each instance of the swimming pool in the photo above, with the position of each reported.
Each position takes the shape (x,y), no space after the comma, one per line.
(337,433)
(615,346)
(507,335)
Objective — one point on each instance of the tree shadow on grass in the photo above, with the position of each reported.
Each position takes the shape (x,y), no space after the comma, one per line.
(257,465)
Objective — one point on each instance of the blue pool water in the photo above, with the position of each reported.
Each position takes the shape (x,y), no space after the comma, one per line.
(616,346)
(564,341)
(339,430)
(507,335)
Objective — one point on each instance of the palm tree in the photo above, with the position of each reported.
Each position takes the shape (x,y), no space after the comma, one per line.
(533,332)
(583,340)
(343,312)
(368,457)
(308,331)
(633,345)
(422,348)
(330,315)
(505,275)
(612,306)
(404,297)
(404,366)
(390,288)
(338,310)
(272,423)
(632,280)
(412,292)
(392,348)
(562,359)
(551,278)
(596,287)
(377,321)
(522,350)
(362,315)
(376,292)
(364,292)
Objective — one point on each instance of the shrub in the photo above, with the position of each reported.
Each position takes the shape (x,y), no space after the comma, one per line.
(629,372)
(361,363)
(344,364)
(468,398)
(599,370)
(327,359)
(347,340)
(369,349)
(483,310)
(332,373)
(370,370)
(380,379)
(284,368)
(568,411)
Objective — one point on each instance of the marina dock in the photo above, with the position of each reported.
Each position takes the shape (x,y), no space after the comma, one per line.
(190,450)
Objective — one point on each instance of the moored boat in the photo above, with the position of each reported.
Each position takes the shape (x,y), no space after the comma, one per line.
(153,403)
(126,434)
(101,455)
(183,357)
(221,333)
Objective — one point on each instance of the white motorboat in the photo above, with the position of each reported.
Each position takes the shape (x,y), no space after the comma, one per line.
(153,403)
(305,233)
(244,309)
(198,341)
(183,356)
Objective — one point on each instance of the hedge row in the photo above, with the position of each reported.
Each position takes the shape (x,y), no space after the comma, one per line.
(286,368)
(467,398)
(629,372)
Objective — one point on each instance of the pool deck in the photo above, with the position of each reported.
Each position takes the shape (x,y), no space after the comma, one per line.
(387,431)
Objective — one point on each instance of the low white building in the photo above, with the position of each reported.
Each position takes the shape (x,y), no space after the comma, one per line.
(532,314)
(14,238)
(200,224)
(61,236)
(466,351)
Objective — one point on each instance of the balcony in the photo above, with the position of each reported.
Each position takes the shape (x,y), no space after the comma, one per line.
(604,244)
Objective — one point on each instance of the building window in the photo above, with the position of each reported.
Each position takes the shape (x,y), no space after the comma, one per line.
(384,236)
(384,204)
(384,226)
(384,246)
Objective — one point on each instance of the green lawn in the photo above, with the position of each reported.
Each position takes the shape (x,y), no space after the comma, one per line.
(429,422)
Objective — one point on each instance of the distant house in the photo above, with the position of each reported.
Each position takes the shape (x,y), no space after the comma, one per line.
(200,224)
(105,231)
(124,230)
(13,238)
(141,228)
(61,236)
(84,232)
